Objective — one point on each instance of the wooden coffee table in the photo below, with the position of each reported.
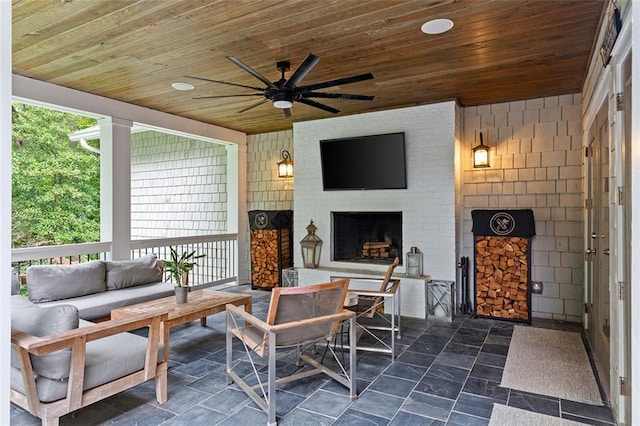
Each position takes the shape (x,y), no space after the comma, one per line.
(200,304)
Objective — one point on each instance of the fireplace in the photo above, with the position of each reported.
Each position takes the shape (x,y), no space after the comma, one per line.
(366,237)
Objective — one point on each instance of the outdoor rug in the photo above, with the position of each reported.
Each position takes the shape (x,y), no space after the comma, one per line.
(550,362)
(503,415)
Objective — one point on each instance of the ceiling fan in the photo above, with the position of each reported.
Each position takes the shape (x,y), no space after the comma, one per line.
(282,93)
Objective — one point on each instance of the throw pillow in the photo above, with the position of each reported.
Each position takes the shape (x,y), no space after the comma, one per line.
(130,273)
(54,282)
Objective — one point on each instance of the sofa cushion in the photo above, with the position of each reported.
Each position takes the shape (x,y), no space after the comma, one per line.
(15,282)
(55,282)
(38,321)
(130,273)
(99,305)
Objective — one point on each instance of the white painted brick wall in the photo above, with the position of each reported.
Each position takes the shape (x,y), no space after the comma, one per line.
(428,205)
(539,155)
(178,186)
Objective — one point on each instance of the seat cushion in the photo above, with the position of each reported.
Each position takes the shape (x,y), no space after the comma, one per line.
(99,305)
(56,282)
(15,282)
(44,321)
(130,273)
(107,359)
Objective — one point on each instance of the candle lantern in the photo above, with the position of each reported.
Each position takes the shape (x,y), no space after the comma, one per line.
(441,299)
(414,263)
(311,245)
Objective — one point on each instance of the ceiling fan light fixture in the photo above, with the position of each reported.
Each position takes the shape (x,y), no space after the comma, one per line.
(437,26)
(182,86)
(283,104)
(282,100)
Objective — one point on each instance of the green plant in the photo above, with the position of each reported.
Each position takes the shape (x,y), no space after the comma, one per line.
(179,266)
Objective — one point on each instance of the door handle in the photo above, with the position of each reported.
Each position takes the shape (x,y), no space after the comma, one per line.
(590,251)
(605,252)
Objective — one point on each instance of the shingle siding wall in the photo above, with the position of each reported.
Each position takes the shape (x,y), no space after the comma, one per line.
(265,190)
(178,186)
(536,163)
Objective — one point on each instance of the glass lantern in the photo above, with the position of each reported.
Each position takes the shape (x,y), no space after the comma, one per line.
(441,299)
(414,263)
(311,246)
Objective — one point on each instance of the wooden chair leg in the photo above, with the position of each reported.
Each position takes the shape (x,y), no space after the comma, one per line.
(161,388)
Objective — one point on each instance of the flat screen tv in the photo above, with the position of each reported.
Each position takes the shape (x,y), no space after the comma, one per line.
(366,162)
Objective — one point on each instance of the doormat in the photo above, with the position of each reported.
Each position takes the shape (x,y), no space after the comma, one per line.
(550,362)
(503,415)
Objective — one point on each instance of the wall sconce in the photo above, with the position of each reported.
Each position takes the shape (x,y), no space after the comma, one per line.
(311,245)
(285,167)
(480,155)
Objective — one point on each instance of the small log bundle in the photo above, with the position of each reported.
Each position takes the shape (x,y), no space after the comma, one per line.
(375,249)
(502,276)
(269,255)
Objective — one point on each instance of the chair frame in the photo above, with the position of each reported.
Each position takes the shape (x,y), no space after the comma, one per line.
(389,290)
(77,339)
(267,401)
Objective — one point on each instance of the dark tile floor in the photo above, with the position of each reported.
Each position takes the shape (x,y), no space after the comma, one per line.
(446,374)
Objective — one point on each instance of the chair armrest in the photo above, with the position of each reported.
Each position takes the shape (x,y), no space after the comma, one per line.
(247,317)
(263,326)
(47,344)
(346,314)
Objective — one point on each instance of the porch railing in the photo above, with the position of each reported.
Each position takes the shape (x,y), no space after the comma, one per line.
(218,266)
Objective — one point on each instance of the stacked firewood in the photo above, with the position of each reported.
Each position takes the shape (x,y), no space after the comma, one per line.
(502,277)
(375,249)
(269,253)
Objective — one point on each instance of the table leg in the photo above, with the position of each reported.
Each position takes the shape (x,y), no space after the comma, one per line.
(203,321)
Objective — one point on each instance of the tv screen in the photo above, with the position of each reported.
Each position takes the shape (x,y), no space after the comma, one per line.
(366,162)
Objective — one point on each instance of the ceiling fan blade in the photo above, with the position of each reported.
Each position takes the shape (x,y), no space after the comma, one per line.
(224,82)
(318,105)
(303,69)
(338,82)
(337,96)
(253,106)
(251,71)
(227,96)
(287,112)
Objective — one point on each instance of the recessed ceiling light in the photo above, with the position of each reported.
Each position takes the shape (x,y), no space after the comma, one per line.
(182,86)
(437,26)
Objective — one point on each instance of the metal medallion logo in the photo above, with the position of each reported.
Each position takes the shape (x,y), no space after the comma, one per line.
(261,220)
(502,223)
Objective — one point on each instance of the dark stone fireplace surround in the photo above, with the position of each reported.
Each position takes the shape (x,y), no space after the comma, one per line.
(350,230)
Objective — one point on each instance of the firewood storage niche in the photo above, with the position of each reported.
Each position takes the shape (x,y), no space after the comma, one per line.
(271,246)
(502,263)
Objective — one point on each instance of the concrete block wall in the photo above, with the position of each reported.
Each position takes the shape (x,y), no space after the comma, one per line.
(265,190)
(536,162)
(178,186)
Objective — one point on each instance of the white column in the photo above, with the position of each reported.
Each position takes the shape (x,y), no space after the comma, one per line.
(237,207)
(115,185)
(5,205)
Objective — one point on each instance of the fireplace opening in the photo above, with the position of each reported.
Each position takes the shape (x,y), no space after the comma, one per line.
(366,237)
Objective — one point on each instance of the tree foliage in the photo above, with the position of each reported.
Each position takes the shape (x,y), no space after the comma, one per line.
(55,186)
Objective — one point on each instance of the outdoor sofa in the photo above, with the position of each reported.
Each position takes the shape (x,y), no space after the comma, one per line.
(97,287)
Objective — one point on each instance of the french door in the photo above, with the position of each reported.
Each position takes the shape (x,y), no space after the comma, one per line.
(597,245)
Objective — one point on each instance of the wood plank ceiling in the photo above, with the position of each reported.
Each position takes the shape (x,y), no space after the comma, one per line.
(132,50)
